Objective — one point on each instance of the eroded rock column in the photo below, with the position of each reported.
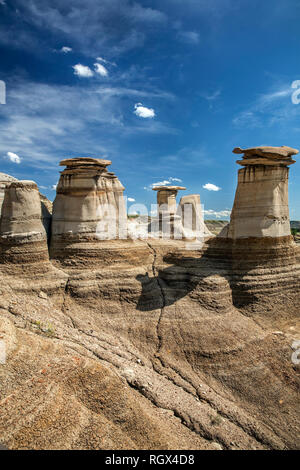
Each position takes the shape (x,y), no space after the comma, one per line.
(22,234)
(191,212)
(261,206)
(168,223)
(259,236)
(89,204)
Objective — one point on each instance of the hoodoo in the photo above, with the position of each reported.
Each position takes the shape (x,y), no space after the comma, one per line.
(259,237)
(89,204)
(261,207)
(168,224)
(23,236)
(190,210)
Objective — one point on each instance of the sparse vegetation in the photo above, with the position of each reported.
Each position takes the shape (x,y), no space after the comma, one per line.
(47,330)
(216,420)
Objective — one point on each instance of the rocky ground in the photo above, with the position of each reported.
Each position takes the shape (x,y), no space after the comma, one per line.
(141,345)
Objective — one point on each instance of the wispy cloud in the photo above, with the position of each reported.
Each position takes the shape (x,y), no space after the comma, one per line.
(268,108)
(189,37)
(109,25)
(212,96)
(100,59)
(43,122)
(124,91)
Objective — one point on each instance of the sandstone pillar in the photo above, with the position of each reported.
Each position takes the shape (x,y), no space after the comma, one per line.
(167,224)
(89,203)
(261,207)
(22,234)
(258,236)
(191,212)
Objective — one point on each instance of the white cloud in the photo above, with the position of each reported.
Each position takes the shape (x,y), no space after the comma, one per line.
(54,186)
(66,49)
(211,187)
(175,179)
(43,129)
(14,157)
(167,182)
(2,2)
(143,112)
(131,199)
(100,59)
(217,214)
(82,70)
(122,91)
(160,183)
(101,70)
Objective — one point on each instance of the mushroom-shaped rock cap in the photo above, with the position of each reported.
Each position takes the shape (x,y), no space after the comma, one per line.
(85,161)
(23,184)
(265,155)
(272,152)
(168,188)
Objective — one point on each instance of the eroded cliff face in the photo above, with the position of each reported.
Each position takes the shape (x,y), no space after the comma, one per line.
(142,347)
(130,344)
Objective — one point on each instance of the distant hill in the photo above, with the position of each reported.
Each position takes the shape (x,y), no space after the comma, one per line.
(215,226)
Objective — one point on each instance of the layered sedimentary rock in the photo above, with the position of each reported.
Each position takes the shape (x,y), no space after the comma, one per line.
(258,238)
(23,236)
(46,205)
(261,206)
(89,205)
(145,348)
(24,257)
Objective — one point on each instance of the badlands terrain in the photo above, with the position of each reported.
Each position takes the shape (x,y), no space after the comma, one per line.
(149,343)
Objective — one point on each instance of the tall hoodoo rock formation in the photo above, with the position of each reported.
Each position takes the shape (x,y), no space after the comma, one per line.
(261,207)
(22,234)
(167,224)
(190,210)
(262,248)
(89,203)
(166,198)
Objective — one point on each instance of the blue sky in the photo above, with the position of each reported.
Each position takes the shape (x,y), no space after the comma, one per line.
(165,89)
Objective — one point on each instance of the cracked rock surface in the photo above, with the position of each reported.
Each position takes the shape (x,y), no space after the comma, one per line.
(136,345)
